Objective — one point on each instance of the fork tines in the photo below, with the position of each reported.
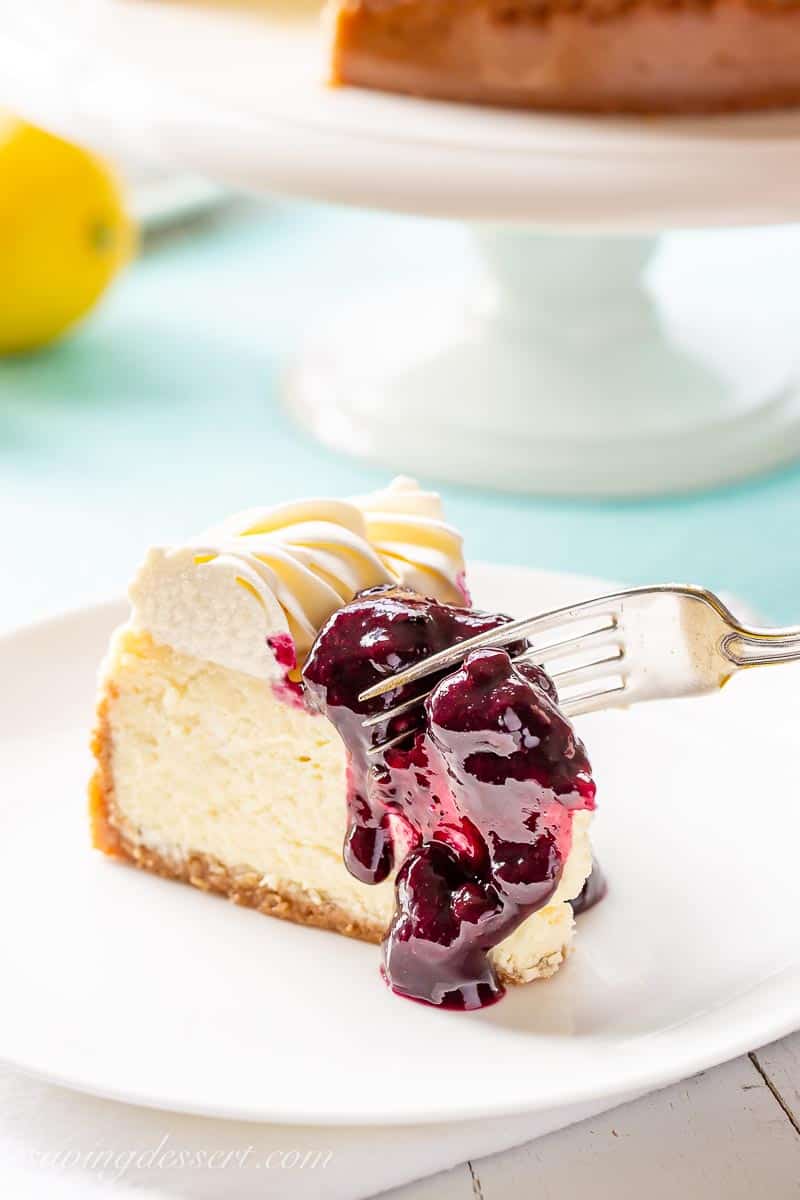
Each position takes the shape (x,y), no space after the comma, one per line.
(594,638)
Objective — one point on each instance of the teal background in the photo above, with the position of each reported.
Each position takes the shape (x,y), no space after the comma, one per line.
(161,414)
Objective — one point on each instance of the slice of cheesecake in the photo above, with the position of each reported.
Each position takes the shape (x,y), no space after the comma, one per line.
(213,769)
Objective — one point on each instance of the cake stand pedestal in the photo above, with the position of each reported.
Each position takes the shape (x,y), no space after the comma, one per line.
(561,374)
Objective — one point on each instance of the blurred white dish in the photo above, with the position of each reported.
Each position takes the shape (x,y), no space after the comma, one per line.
(162,199)
(126,986)
(156,79)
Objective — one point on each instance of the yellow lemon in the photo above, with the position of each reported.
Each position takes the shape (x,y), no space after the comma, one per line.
(64,234)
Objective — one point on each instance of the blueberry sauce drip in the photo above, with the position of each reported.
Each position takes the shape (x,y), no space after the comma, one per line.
(289,688)
(475,809)
(592,892)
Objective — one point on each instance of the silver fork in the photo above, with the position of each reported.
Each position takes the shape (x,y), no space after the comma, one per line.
(647,643)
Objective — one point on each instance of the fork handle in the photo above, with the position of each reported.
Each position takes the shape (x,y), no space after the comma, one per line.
(762,647)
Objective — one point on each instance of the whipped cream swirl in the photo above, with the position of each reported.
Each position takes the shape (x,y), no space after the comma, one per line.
(283,571)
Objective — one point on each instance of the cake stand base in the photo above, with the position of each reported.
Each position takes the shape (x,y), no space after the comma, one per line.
(561,376)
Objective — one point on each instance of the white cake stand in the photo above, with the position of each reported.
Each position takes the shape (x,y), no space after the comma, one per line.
(561,375)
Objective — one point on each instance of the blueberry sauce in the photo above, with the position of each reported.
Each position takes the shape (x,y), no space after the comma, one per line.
(288,689)
(592,892)
(475,809)
(461,585)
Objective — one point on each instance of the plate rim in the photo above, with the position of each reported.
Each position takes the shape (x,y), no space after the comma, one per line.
(633,1082)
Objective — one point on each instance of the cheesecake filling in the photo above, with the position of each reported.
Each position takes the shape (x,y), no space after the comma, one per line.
(473,808)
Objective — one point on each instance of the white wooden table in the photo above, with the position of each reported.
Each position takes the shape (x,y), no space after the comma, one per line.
(728,1134)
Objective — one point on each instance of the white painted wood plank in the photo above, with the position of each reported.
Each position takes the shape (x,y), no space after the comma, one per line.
(719,1136)
(449,1185)
(586,1149)
(781,1064)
